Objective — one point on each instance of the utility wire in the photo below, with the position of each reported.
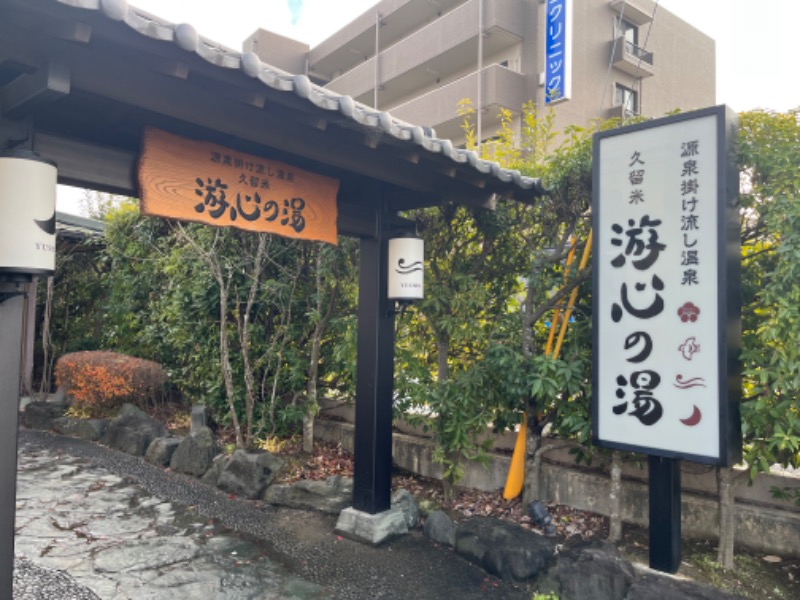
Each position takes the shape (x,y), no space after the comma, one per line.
(611,58)
(614,50)
(644,46)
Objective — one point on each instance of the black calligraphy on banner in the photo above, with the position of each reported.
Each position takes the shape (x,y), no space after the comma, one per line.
(640,299)
(250,208)
(690,222)
(646,306)
(646,407)
(213,194)
(255,174)
(636,178)
(635,245)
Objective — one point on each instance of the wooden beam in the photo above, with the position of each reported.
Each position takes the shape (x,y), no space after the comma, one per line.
(356,221)
(88,165)
(279,128)
(112,170)
(28,93)
(274,126)
(174,68)
(71,31)
(413,157)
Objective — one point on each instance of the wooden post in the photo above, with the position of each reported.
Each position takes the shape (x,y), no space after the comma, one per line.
(372,471)
(665,513)
(12,306)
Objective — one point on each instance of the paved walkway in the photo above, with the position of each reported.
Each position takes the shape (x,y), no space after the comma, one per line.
(95,523)
(118,540)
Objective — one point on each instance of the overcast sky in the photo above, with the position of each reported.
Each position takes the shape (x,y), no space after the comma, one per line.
(758,44)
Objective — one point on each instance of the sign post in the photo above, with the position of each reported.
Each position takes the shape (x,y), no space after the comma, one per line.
(27,250)
(666,306)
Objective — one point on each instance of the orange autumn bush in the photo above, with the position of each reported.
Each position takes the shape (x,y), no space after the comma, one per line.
(99,382)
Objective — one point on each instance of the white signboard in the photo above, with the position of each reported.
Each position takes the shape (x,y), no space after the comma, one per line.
(406,280)
(662,305)
(27,214)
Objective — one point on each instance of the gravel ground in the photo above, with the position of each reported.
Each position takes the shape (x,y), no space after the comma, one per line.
(303,542)
(32,582)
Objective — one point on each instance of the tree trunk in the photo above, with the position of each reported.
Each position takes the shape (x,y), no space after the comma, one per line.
(442,352)
(448,483)
(313,364)
(727,521)
(533,465)
(47,370)
(215,267)
(527,323)
(244,339)
(615,499)
(311,390)
(225,359)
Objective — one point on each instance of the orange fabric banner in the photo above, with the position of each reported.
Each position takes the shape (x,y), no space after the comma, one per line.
(189,180)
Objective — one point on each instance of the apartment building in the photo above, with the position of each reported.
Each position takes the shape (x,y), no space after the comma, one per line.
(584,58)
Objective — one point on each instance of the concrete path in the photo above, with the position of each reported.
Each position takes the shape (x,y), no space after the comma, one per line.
(96,523)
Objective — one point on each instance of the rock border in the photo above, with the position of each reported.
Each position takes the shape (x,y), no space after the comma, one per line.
(593,569)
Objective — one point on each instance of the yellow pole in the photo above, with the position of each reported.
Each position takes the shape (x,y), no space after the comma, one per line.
(516,471)
(557,312)
(573,296)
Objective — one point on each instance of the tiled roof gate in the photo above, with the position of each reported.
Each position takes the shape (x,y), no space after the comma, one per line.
(80,80)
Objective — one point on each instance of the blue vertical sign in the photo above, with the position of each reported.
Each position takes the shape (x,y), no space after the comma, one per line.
(558,50)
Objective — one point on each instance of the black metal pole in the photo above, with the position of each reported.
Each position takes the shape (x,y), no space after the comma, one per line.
(12,305)
(665,513)
(372,472)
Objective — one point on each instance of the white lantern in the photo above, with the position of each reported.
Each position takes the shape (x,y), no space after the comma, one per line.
(406,269)
(27,214)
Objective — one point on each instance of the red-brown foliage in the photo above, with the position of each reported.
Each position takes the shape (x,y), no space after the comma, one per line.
(98,382)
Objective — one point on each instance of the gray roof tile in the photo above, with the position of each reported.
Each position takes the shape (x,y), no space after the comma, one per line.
(186,37)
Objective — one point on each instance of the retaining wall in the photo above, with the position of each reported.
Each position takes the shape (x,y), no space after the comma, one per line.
(762,522)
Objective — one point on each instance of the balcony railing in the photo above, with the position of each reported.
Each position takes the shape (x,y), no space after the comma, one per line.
(638,53)
(634,11)
(622,112)
(631,58)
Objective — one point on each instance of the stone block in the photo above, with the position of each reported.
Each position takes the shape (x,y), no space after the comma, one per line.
(659,586)
(200,418)
(440,528)
(404,500)
(504,549)
(161,450)
(215,470)
(373,529)
(41,415)
(85,429)
(195,453)
(132,431)
(589,570)
(247,474)
(331,495)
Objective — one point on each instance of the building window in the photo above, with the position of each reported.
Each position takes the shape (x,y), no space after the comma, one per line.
(629,31)
(512,64)
(627,98)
